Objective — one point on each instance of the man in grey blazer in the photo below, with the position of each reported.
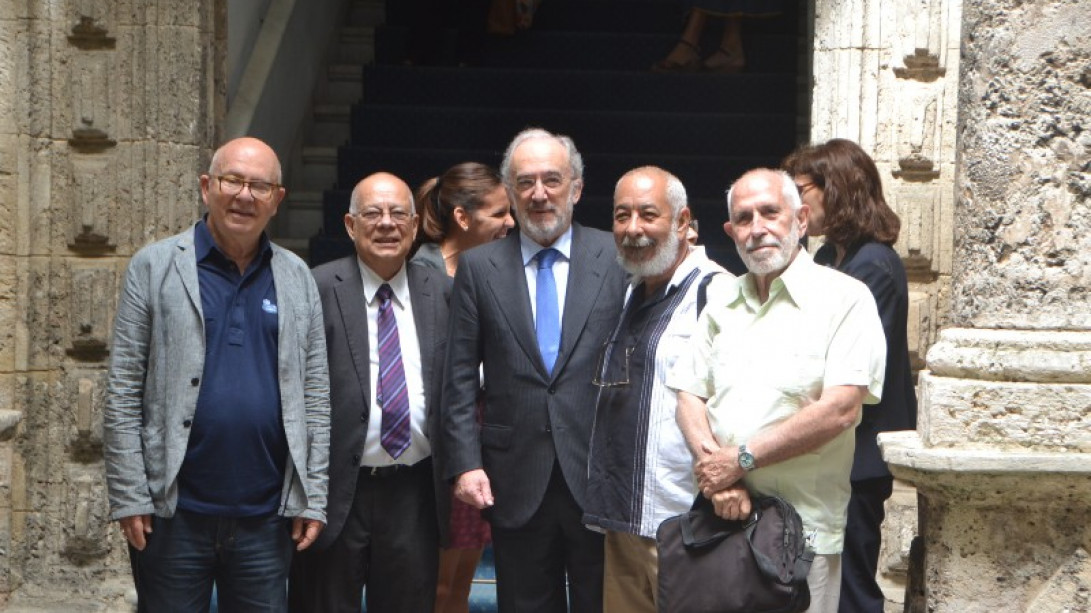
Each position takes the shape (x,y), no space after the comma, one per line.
(216,427)
(533,310)
(386,325)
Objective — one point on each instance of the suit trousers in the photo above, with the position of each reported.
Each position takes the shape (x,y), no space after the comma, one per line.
(863,536)
(390,543)
(534,561)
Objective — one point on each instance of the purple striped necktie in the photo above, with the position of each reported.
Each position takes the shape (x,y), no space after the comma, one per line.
(391,394)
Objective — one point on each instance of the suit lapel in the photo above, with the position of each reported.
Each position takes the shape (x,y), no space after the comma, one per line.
(422,289)
(352,308)
(585,279)
(185,262)
(508,284)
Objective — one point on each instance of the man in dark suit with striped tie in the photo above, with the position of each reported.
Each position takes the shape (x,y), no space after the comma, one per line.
(386,326)
(533,310)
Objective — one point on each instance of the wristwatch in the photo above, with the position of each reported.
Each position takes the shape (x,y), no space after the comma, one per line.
(746,459)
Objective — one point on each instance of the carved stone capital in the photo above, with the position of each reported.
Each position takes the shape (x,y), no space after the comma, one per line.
(921,66)
(87,36)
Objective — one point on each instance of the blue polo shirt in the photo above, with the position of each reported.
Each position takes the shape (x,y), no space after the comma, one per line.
(234,465)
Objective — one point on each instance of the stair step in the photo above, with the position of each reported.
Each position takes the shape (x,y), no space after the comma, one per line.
(344,83)
(601,131)
(595,51)
(703,176)
(319,168)
(367,12)
(618,91)
(356,45)
(332,125)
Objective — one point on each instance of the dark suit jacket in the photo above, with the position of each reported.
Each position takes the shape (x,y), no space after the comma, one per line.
(345,320)
(531,418)
(881,269)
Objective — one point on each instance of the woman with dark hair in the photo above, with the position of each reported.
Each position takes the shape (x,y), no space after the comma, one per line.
(841,185)
(461,209)
(464,207)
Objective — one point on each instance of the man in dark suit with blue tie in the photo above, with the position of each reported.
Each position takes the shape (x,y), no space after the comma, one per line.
(533,310)
(386,326)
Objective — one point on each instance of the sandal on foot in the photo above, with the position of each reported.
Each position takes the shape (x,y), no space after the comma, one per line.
(693,64)
(732,63)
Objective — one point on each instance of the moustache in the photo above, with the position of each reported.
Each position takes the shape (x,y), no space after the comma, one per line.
(768,241)
(639,242)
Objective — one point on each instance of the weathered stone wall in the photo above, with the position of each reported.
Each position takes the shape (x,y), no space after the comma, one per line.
(1002,456)
(1026,146)
(108,113)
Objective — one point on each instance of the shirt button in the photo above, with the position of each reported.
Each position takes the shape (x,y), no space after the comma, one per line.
(194,381)
(187,423)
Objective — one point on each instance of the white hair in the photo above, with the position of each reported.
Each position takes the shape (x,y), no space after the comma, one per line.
(575,160)
(788,191)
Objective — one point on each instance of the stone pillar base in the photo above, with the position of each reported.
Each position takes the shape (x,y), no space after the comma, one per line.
(1002,461)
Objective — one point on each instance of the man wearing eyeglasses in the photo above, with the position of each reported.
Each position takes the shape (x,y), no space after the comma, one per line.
(533,309)
(216,426)
(639,470)
(386,322)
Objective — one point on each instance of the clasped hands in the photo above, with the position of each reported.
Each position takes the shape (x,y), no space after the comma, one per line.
(719,478)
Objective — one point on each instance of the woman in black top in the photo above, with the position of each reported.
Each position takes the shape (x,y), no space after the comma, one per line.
(841,185)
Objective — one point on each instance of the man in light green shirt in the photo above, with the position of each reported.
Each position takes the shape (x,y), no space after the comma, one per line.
(782,361)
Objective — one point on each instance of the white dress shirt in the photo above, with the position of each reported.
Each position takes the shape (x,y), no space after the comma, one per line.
(529,249)
(419,447)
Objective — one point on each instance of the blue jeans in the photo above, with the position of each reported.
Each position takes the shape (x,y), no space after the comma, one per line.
(247,559)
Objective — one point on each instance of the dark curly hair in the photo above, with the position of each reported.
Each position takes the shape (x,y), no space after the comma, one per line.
(855,209)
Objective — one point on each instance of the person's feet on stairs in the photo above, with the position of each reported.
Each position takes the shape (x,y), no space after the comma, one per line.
(685,57)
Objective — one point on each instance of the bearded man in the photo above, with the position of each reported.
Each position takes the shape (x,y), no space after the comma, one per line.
(770,393)
(639,469)
(532,310)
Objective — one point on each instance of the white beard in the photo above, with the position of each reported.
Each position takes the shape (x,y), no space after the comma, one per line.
(660,262)
(773,262)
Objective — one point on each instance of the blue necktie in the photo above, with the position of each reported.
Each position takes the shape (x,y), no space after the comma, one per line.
(548,318)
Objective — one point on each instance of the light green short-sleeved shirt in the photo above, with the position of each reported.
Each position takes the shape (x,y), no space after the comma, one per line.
(758,364)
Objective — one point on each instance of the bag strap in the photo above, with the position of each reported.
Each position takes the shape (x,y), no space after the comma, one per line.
(702,509)
(702,290)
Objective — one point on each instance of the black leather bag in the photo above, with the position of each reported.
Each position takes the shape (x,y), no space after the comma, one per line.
(712,565)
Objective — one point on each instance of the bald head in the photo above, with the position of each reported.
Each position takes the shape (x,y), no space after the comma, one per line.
(658,181)
(384,185)
(247,150)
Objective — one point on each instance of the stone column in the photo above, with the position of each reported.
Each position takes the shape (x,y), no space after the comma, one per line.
(1002,456)
(108,115)
(886,76)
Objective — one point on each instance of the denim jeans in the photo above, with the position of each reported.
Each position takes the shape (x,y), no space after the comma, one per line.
(247,559)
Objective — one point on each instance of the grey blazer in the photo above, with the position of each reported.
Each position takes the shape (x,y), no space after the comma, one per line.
(345,318)
(532,418)
(155,375)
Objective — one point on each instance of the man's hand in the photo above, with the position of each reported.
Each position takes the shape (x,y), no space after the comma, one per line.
(474,489)
(717,468)
(135,529)
(732,503)
(305,531)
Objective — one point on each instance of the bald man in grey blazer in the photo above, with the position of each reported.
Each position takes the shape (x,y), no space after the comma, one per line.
(527,464)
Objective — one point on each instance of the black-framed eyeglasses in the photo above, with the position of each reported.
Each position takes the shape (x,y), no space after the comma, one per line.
(374,217)
(232,186)
(618,379)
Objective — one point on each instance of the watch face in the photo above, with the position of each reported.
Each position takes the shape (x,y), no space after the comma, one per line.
(746,460)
